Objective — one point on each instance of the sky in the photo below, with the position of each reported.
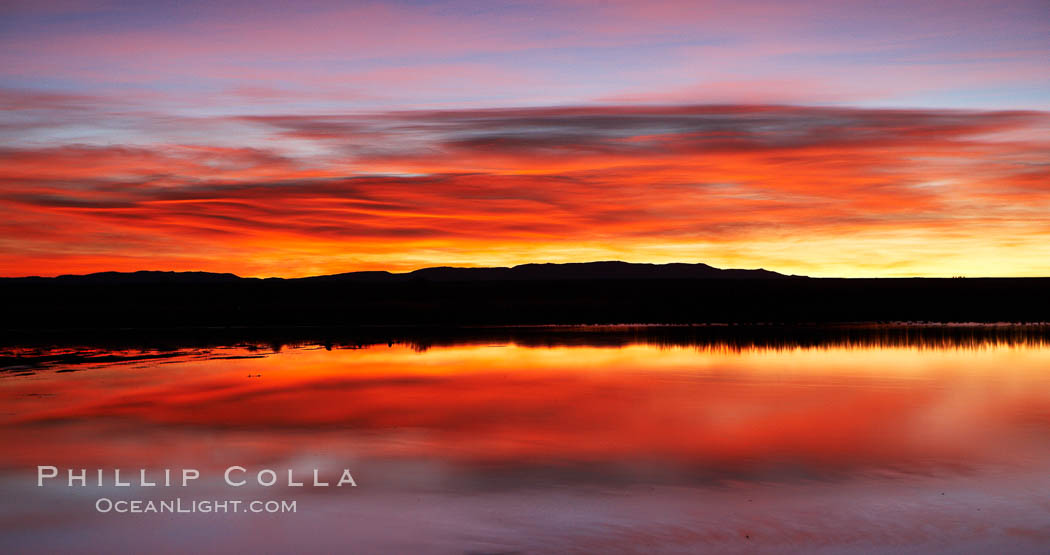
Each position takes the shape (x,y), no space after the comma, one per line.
(838,138)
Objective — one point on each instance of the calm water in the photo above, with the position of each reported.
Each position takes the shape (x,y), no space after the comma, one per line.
(593,443)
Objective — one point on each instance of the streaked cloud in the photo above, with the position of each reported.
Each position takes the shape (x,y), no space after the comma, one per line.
(266,138)
(799,189)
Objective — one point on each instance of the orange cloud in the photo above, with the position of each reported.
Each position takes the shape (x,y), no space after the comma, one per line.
(821,191)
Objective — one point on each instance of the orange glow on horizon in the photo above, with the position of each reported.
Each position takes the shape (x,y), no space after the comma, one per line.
(815,191)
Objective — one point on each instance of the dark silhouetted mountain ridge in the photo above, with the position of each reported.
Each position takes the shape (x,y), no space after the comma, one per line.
(530,294)
(524,272)
(555,272)
(140,277)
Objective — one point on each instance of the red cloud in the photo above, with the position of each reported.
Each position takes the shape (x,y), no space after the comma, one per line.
(408,189)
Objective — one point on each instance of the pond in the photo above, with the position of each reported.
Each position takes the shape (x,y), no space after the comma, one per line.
(568,440)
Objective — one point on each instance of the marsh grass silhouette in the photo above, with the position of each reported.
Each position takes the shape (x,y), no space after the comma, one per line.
(29,353)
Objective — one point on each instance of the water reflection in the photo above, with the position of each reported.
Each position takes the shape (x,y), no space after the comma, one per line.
(873,423)
(26,354)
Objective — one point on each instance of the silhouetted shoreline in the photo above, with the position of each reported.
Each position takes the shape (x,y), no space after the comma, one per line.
(585,294)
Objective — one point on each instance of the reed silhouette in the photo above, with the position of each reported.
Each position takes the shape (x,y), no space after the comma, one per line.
(27,353)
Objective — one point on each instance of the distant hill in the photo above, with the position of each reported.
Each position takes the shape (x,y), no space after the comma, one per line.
(530,294)
(140,277)
(524,272)
(555,272)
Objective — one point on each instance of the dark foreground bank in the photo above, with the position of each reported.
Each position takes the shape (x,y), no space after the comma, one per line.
(625,294)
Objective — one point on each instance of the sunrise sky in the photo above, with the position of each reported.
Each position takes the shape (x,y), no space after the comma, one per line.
(832,138)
